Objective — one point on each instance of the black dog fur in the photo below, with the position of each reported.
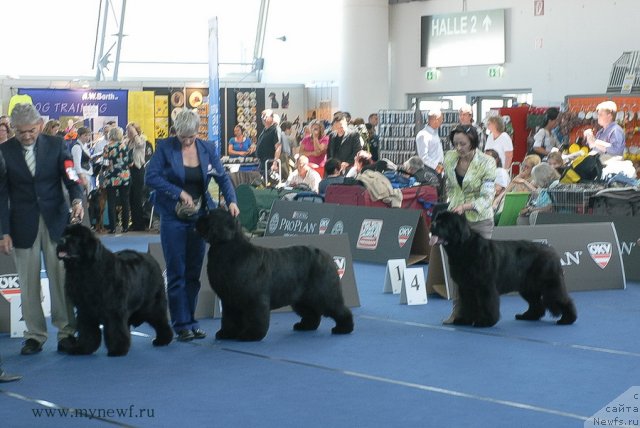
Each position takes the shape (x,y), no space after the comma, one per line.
(484,269)
(252,280)
(114,289)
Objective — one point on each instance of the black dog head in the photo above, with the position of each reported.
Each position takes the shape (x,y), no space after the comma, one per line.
(78,243)
(449,229)
(218,226)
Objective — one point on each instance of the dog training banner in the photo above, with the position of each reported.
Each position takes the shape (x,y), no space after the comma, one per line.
(627,228)
(375,234)
(590,256)
(336,245)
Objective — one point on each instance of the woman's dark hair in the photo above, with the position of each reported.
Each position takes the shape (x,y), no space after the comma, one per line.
(331,166)
(494,155)
(551,114)
(241,128)
(469,130)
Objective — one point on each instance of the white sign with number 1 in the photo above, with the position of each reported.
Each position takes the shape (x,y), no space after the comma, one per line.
(393,276)
(414,291)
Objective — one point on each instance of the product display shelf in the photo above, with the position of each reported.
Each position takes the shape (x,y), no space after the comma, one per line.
(397,132)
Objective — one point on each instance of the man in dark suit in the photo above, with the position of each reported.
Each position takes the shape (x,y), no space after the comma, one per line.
(34,213)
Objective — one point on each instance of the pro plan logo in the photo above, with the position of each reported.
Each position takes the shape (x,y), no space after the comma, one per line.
(338,228)
(273,223)
(600,252)
(404,232)
(341,264)
(324,225)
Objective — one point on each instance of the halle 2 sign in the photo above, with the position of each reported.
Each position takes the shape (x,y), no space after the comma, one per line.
(480,35)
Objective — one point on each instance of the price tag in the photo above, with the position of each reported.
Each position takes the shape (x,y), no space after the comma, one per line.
(414,291)
(393,276)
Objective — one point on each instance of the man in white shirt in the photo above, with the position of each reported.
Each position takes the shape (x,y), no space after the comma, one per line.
(304,175)
(428,142)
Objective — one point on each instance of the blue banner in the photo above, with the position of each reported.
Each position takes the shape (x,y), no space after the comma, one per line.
(93,107)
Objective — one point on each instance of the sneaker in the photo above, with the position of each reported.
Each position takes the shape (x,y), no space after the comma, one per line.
(198,333)
(185,336)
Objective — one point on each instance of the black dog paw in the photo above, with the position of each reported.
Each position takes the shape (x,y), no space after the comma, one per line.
(341,330)
(162,342)
(528,317)
(484,323)
(224,335)
(566,320)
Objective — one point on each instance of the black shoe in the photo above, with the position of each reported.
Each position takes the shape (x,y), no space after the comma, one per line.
(6,377)
(67,344)
(30,347)
(112,231)
(185,336)
(125,230)
(198,333)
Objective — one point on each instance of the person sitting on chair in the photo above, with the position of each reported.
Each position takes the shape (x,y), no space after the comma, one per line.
(331,175)
(544,177)
(304,175)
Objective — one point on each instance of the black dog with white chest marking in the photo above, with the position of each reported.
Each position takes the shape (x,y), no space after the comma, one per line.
(114,289)
(484,269)
(251,280)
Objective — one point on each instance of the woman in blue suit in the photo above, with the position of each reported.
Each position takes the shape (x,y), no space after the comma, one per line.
(179,172)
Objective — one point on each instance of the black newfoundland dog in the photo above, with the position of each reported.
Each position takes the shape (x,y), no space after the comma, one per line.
(484,269)
(252,280)
(114,289)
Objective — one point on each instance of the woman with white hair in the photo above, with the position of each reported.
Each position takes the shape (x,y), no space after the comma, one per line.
(180,171)
(610,139)
(544,176)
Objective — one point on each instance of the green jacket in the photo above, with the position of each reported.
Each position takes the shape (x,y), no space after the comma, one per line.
(478,185)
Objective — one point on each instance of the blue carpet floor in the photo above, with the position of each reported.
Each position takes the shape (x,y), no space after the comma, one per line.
(400,367)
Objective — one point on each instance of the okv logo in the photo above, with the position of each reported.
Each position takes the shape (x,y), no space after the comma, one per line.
(341,264)
(600,252)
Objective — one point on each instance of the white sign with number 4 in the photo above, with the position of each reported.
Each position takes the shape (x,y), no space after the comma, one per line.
(414,290)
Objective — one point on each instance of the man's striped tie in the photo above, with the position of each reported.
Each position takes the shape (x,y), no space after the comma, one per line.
(30,157)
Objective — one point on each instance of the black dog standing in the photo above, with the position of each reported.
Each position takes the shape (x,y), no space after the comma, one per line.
(484,269)
(114,289)
(252,280)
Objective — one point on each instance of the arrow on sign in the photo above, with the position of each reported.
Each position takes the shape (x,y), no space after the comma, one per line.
(486,23)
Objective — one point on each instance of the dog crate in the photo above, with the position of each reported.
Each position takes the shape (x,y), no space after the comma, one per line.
(574,198)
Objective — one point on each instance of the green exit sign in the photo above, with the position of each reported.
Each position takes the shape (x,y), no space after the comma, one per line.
(432,74)
(495,71)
